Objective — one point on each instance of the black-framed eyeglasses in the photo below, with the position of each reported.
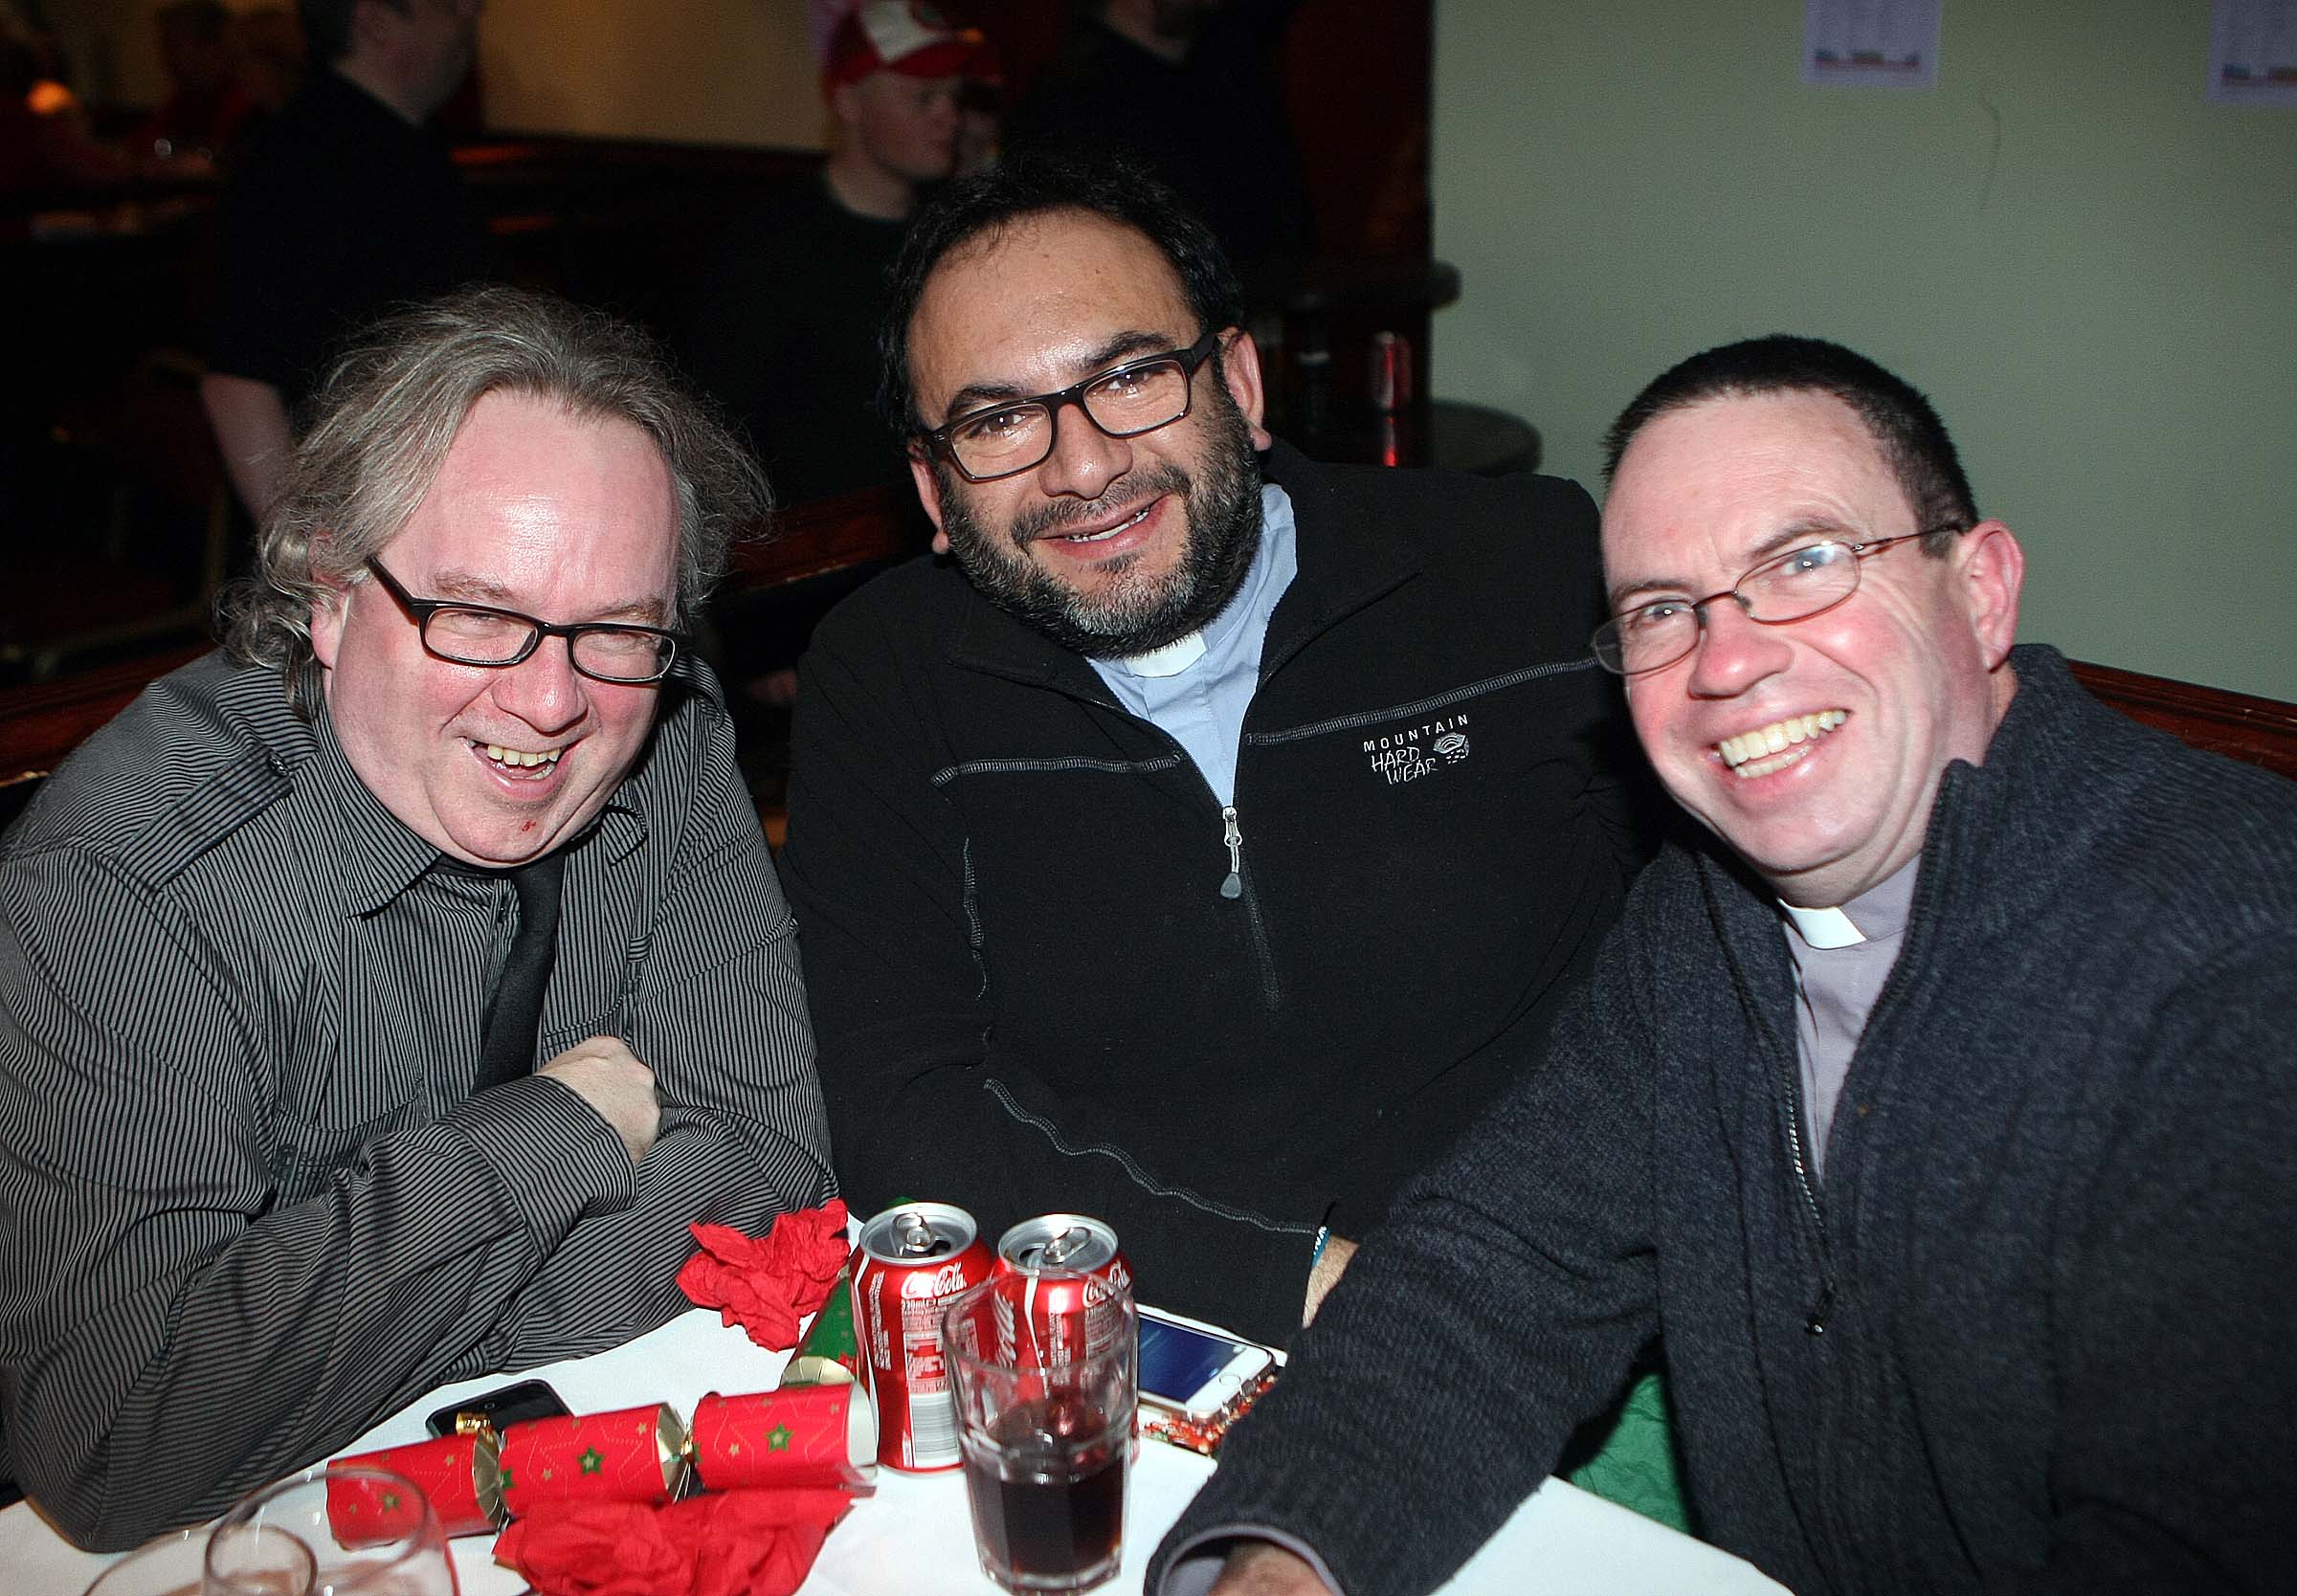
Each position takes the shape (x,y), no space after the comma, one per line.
(1789,586)
(482,634)
(1125,401)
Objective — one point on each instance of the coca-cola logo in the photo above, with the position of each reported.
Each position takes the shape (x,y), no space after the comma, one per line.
(949,1278)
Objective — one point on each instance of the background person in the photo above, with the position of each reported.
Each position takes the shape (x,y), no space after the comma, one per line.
(782,324)
(345,208)
(1194,90)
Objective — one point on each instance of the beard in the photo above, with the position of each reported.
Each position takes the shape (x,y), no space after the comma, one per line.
(1137,612)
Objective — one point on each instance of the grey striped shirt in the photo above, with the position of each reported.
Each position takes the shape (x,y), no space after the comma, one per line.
(248,1201)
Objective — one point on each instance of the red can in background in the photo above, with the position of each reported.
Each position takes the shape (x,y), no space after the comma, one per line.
(911,1261)
(1066,1318)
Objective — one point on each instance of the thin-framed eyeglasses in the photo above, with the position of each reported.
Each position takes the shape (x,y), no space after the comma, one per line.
(1018,435)
(482,634)
(1789,586)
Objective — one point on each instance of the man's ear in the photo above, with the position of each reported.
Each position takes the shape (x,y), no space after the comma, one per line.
(330,605)
(843,109)
(1991,573)
(1241,370)
(929,495)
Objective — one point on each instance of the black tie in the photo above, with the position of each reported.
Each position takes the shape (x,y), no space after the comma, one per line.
(514,1012)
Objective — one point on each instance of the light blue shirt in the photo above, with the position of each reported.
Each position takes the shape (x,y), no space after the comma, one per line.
(1197,689)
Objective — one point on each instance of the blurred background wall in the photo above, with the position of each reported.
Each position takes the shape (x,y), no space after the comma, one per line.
(2091,271)
(731,72)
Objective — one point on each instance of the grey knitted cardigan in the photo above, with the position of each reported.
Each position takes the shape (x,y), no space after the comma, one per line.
(2033,1335)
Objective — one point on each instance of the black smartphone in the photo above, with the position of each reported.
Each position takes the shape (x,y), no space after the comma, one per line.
(502,1406)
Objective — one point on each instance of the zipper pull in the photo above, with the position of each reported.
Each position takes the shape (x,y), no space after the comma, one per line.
(1815,1322)
(1234,837)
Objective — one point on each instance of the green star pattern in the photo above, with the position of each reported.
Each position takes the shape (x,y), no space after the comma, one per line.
(592,1462)
(779,1438)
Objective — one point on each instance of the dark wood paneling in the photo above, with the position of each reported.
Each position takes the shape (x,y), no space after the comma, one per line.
(2263,731)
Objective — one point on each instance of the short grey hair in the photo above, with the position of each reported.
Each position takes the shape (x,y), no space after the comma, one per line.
(389,409)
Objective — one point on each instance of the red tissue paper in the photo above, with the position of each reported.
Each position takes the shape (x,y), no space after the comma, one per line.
(767,1284)
(758,1542)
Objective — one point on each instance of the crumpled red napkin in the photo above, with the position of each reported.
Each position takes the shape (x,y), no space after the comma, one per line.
(757,1542)
(768,1284)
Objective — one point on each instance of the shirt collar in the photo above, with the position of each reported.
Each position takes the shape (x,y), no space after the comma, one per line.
(1878,913)
(380,856)
(1247,612)
(1170,661)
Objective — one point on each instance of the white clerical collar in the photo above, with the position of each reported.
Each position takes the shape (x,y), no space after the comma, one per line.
(1823,928)
(1170,661)
(1875,915)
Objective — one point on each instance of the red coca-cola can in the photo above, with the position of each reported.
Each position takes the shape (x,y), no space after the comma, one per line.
(1067,1314)
(911,1261)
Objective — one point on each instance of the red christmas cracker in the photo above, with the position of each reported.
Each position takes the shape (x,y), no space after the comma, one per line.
(632,1455)
(458,1473)
(800,1435)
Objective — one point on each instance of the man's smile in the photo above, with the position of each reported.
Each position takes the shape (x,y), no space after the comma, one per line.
(1769,748)
(1106,532)
(522,766)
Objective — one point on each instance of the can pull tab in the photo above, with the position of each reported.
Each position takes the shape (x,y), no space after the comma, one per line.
(1233,835)
(914,1238)
(1061,1249)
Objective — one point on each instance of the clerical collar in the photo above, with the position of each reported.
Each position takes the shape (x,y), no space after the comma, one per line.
(1879,912)
(1170,661)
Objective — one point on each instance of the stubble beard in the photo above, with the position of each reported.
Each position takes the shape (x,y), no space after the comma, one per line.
(1134,612)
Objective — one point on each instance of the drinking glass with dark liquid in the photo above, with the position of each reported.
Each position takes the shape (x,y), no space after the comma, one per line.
(1043,1370)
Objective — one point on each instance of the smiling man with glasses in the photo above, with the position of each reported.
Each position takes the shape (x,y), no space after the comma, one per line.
(385,995)
(1934,1107)
(1212,831)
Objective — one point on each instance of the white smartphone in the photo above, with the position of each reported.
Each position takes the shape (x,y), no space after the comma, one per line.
(1193,1369)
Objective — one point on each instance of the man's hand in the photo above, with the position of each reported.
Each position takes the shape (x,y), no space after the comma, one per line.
(605,1075)
(1326,1275)
(1264,1568)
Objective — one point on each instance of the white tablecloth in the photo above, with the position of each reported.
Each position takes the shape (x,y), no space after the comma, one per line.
(914,1538)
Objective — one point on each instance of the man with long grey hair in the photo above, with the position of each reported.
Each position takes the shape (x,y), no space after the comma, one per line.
(381,997)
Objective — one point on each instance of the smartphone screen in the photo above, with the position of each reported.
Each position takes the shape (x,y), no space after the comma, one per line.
(1176,1360)
(1196,1371)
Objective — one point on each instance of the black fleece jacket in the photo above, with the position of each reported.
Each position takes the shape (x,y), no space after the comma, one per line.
(1030,990)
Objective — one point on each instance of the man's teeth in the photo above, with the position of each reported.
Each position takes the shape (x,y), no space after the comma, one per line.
(1759,752)
(1132,519)
(519,756)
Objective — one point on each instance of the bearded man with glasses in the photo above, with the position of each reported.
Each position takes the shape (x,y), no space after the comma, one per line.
(382,997)
(1210,831)
(1934,1107)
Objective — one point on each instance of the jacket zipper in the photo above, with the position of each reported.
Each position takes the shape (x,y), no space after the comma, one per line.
(1232,888)
(1813,1321)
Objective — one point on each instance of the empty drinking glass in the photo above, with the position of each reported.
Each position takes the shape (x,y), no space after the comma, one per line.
(339,1529)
